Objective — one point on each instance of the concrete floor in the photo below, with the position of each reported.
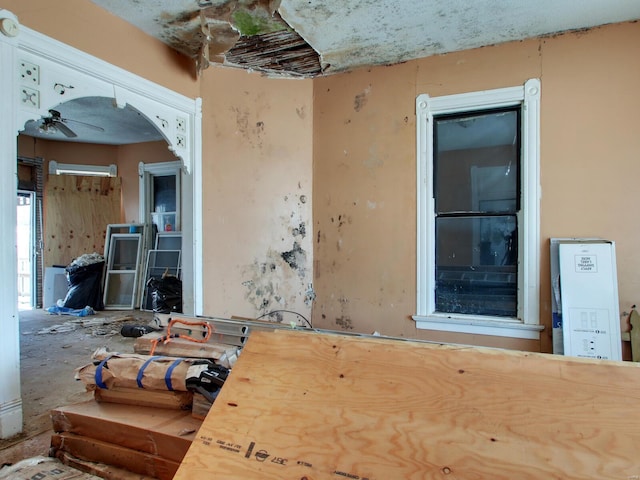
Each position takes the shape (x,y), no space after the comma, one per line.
(48,359)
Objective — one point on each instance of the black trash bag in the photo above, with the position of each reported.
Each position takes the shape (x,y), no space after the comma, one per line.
(166,294)
(85,286)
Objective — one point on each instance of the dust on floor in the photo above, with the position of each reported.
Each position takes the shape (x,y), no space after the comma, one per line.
(49,356)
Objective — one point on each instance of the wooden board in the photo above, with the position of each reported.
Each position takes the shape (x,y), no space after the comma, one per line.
(91,450)
(143,397)
(94,202)
(163,432)
(305,405)
(180,347)
(100,470)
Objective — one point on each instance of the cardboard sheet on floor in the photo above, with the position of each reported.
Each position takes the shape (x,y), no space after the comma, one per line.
(164,432)
(43,468)
(322,406)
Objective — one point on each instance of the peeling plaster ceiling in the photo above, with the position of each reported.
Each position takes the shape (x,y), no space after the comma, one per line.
(309,38)
(315,37)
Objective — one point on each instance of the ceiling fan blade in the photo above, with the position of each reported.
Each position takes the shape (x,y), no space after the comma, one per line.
(87,125)
(64,129)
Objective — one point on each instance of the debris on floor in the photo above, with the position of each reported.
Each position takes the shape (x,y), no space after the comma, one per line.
(43,468)
(100,325)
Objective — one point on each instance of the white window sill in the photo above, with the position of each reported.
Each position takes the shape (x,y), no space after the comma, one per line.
(474,326)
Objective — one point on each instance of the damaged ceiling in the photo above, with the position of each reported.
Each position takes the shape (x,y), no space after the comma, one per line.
(308,38)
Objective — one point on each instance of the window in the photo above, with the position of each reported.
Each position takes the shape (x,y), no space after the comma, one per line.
(478,220)
(160,196)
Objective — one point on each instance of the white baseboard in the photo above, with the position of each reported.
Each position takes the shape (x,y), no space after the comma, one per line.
(10,418)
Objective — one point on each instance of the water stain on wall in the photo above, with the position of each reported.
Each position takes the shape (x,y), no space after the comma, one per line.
(360,100)
(242,121)
(252,134)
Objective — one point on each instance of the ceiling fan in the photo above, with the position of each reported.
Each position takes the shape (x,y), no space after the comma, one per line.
(55,123)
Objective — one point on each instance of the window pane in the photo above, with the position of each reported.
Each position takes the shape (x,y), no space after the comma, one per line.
(476,265)
(476,164)
(125,253)
(164,193)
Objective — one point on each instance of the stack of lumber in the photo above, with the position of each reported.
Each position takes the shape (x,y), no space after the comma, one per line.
(309,405)
(139,379)
(144,417)
(141,440)
(219,340)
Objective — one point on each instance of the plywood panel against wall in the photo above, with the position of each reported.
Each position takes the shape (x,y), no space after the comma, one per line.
(333,406)
(77,212)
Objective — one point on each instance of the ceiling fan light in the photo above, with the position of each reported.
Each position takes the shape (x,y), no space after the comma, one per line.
(48,128)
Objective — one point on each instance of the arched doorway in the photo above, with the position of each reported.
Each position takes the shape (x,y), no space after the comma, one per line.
(39,74)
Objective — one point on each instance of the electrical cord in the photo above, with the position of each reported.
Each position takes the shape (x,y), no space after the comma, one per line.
(286,311)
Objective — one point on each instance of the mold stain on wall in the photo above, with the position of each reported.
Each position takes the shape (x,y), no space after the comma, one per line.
(279,280)
(360,100)
(249,127)
(344,320)
(296,258)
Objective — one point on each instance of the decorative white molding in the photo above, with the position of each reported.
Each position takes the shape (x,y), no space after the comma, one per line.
(172,113)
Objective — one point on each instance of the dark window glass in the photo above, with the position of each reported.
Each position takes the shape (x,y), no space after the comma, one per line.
(477,199)
(164,193)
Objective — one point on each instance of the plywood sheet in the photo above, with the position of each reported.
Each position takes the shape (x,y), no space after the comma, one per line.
(304,405)
(77,212)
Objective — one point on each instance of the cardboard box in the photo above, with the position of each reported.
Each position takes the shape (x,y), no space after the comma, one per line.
(142,397)
(92,450)
(164,432)
(101,470)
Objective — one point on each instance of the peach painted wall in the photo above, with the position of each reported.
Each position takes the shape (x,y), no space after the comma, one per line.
(87,27)
(257,192)
(365,170)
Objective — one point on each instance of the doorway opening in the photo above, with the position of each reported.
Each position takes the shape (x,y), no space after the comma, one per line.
(26,242)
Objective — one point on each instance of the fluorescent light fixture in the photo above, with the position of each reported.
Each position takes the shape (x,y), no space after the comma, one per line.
(56,168)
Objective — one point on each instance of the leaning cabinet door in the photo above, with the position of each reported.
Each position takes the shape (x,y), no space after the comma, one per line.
(123,264)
